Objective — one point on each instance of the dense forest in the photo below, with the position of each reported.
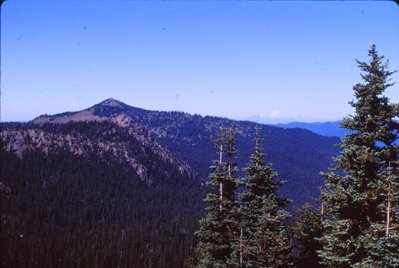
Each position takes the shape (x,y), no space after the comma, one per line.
(60,208)
(118,186)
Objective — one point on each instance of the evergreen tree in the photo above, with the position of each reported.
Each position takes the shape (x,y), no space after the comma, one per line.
(307,231)
(360,204)
(217,229)
(382,238)
(262,241)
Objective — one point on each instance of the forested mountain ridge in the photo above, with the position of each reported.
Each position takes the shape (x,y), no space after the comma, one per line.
(297,155)
(130,145)
(93,194)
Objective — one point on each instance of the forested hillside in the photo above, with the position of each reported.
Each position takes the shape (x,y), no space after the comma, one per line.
(297,155)
(115,185)
(93,195)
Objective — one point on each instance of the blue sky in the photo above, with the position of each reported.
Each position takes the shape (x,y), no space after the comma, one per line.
(277,60)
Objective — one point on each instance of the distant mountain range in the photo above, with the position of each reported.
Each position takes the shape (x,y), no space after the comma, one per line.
(329,129)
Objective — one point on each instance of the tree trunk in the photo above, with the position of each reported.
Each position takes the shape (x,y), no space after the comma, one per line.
(388,207)
(220,196)
(241,246)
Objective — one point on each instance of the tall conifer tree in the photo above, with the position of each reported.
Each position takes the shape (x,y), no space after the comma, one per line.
(262,241)
(361,204)
(217,229)
(306,232)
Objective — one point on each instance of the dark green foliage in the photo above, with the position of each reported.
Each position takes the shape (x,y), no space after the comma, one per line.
(263,241)
(61,209)
(357,202)
(382,248)
(307,231)
(217,230)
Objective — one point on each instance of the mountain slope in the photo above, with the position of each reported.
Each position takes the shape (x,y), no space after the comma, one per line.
(131,146)
(298,155)
(92,194)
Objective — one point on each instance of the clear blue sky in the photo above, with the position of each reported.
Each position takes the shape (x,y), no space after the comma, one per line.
(283,61)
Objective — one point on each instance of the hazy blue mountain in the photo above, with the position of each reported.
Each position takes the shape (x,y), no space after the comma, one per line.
(330,129)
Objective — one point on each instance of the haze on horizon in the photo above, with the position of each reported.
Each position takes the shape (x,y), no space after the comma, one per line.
(275,61)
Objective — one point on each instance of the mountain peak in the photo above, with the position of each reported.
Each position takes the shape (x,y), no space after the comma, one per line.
(107,110)
(111,102)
